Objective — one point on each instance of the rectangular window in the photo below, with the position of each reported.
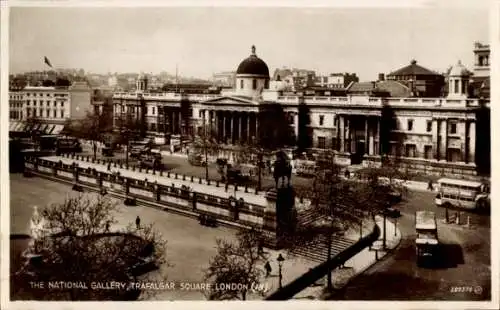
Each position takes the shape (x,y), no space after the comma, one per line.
(410,125)
(321,120)
(395,124)
(456,86)
(429,126)
(241,84)
(428,151)
(55,113)
(334,143)
(47,113)
(254,84)
(321,142)
(62,113)
(34,103)
(335,121)
(453,128)
(55,104)
(153,108)
(62,104)
(153,127)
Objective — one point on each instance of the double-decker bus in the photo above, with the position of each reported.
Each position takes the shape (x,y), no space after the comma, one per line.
(463,194)
(427,242)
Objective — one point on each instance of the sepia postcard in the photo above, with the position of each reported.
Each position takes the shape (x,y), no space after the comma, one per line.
(321,155)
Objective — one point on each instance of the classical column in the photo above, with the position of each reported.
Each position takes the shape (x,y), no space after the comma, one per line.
(181,128)
(444,140)
(257,134)
(342,133)
(296,126)
(223,127)
(240,118)
(435,138)
(378,149)
(365,151)
(211,120)
(249,137)
(465,151)
(472,142)
(231,115)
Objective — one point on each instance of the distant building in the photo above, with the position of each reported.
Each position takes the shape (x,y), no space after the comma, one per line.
(298,78)
(336,80)
(442,135)
(421,81)
(482,60)
(480,83)
(224,79)
(52,106)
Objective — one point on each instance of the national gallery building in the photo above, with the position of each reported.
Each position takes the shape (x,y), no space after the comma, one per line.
(448,133)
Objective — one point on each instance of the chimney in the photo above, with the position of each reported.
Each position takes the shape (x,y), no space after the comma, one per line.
(381,77)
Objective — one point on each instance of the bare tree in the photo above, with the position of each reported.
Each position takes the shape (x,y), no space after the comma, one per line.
(76,246)
(332,210)
(206,143)
(254,153)
(235,263)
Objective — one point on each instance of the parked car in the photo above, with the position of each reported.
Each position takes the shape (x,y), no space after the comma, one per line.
(151,162)
(107,150)
(197,160)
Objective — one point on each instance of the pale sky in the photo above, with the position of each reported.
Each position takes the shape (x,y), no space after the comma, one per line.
(207,40)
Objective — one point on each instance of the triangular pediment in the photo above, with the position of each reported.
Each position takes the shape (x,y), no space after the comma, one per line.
(223,100)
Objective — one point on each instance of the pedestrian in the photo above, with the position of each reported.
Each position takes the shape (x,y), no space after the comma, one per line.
(109,165)
(429,186)
(260,248)
(95,148)
(268,268)
(107,226)
(138,222)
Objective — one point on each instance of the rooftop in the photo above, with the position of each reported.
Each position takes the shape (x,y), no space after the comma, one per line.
(413,69)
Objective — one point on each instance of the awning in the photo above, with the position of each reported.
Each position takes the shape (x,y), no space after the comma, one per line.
(18,126)
(57,129)
(50,128)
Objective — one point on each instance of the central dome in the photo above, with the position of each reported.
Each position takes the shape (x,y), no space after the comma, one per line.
(253,65)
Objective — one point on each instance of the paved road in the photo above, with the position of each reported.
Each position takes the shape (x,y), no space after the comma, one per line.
(178,164)
(165,180)
(190,245)
(398,278)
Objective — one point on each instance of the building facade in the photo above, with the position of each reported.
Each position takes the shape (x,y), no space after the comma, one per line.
(437,135)
(50,105)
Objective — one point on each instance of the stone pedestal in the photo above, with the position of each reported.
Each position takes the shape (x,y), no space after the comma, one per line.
(279,216)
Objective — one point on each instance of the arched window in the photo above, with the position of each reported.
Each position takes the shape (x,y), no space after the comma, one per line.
(254,84)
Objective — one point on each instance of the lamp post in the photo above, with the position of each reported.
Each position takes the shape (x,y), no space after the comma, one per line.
(280,265)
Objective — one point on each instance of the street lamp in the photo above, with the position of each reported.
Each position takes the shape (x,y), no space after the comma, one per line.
(280,265)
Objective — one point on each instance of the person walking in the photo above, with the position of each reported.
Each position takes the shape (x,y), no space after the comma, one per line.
(430,186)
(107,226)
(138,222)
(268,268)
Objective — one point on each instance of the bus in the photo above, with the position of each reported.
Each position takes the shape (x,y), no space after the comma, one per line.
(427,242)
(68,145)
(462,194)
